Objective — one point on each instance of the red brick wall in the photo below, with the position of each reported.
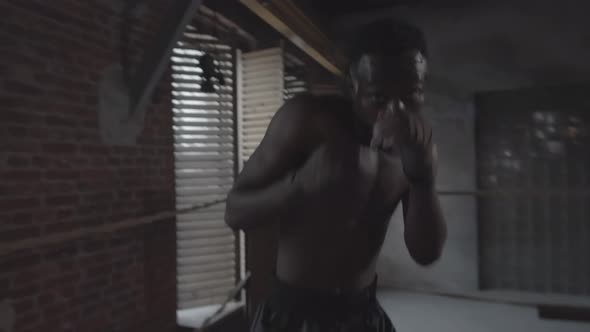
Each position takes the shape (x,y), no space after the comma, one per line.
(57,176)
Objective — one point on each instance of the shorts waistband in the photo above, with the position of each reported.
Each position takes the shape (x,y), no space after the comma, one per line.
(305,300)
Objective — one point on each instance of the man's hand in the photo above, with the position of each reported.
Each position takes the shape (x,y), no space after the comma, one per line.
(412,135)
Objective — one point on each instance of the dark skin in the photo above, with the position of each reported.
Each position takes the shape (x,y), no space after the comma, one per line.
(332,173)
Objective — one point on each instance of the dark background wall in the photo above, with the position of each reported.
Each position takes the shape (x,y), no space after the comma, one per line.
(56,176)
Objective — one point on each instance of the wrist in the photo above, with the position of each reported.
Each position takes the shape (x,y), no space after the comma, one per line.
(423,186)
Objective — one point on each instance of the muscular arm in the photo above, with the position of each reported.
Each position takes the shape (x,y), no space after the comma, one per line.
(424,225)
(264,190)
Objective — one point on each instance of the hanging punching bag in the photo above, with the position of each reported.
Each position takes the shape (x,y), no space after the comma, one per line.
(210,72)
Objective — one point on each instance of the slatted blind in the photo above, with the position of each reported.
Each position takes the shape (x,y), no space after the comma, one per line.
(261,95)
(204,156)
(294,77)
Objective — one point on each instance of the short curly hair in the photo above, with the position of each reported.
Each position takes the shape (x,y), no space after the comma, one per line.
(387,37)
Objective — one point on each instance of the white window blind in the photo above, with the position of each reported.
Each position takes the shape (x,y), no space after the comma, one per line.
(295,82)
(204,162)
(261,95)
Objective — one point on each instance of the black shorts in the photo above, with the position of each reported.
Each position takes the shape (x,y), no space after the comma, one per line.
(291,309)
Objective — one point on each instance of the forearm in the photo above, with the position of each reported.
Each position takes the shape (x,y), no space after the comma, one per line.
(425,228)
(251,208)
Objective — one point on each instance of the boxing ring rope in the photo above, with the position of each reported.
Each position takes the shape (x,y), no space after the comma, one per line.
(102,229)
(138,221)
(167,215)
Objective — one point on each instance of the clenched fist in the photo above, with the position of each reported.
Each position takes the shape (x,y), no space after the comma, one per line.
(409,132)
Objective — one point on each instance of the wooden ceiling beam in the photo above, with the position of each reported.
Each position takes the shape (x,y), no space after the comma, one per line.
(285,17)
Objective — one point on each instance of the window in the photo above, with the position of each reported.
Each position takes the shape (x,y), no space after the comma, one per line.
(205,168)
(209,130)
(534,229)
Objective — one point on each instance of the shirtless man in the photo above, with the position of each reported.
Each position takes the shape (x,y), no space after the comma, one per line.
(331,171)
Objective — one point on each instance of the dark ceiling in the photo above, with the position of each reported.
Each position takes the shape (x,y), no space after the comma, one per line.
(328,8)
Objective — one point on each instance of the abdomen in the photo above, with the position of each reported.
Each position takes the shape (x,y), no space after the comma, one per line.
(325,254)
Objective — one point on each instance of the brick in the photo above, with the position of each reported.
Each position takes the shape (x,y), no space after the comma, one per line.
(26,320)
(5,285)
(45,299)
(66,292)
(64,213)
(20,233)
(63,174)
(61,227)
(100,257)
(60,148)
(93,246)
(20,175)
(20,218)
(90,286)
(26,276)
(23,305)
(18,261)
(61,252)
(24,291)
(56,120)
(59,193)
(61,200)
(92,221)
(94,149)
(18,117)
(100,270)
(62,280)
(15,87)
(60,67)
(10,190)
(19,203)
(18,161)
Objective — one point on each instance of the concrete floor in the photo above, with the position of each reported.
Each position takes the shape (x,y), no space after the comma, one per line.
(422,312)
(419,312)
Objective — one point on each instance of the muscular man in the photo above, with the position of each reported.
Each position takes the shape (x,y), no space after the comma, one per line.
(331,171)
